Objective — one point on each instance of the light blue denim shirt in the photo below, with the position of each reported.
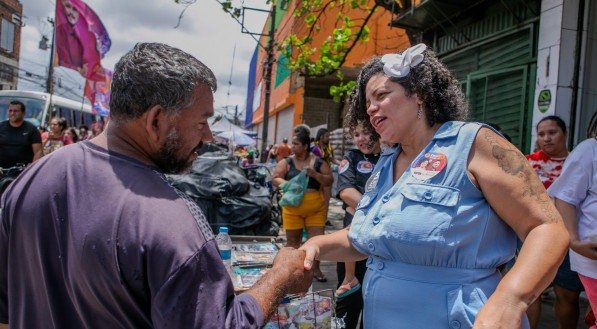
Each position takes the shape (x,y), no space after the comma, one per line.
(436,218)
(433,241)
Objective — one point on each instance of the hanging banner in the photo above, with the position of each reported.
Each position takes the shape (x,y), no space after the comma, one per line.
(81,39)
(98,93)
(250,87)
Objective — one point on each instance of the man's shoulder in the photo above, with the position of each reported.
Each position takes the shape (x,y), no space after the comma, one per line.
(29,126)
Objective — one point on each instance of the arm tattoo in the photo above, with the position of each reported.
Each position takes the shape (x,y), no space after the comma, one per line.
(514,163)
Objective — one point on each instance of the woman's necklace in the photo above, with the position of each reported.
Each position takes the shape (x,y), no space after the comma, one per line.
(367,158)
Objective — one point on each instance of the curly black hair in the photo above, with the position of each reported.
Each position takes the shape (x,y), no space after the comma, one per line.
(350,126)
(431,81)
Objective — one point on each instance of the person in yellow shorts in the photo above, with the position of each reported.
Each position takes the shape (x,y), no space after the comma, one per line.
(311,213)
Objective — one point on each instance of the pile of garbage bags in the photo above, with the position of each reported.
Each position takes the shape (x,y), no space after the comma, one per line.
(228,198)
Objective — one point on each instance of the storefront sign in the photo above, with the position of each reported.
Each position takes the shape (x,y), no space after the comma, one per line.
(544,100)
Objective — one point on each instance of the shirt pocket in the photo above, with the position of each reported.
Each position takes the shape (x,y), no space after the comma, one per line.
(464,303)
(438,195)
(424,214)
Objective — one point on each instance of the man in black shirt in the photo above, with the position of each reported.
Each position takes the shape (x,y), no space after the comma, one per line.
(20,141)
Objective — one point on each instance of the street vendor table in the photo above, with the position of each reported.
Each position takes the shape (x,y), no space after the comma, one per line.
(251,257)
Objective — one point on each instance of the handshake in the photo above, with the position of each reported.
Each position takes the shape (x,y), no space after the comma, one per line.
(288,275)
(290,262)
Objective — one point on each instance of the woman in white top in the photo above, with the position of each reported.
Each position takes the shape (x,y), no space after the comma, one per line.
(575,194)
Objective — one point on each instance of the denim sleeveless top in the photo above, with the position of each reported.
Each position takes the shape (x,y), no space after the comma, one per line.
(433,215)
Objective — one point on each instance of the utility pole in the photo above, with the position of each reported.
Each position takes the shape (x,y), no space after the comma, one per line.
(236,120)
(269,49)
(268,81)
(50,81)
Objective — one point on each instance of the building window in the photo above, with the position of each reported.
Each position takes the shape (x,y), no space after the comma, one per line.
(7,73)
(7,35)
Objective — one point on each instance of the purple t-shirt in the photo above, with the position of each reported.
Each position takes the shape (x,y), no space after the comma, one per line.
(95,239)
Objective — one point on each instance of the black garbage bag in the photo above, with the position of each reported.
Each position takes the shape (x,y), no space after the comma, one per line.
(221,189)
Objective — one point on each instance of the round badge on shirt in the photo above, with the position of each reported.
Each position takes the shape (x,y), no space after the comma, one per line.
(372,182)
(364,167)
(429,165)
(343,166)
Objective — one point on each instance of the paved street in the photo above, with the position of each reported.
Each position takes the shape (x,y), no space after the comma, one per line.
(547,320)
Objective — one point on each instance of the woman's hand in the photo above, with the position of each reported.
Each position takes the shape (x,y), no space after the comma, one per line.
(501,311)
(311,172)
(312,253)
(585,248)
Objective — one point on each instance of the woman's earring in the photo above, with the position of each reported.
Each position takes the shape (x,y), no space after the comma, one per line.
(420,111)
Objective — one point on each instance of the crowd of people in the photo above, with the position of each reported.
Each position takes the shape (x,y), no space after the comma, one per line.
(435,206)
(22,143)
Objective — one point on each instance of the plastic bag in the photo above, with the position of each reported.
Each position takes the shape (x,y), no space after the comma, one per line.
(294,190)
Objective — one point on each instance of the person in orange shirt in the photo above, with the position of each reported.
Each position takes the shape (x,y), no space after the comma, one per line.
(283,150)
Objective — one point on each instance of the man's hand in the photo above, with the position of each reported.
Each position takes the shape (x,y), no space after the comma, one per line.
(287,276)
(292,260)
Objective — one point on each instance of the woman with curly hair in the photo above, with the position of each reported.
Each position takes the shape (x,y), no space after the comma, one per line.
(442,208)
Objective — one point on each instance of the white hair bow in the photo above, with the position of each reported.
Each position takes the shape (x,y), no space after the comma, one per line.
(399,65)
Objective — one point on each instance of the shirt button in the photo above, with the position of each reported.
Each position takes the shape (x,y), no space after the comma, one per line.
(376,220)
(380,265)
(371,246)
(385,198)
(427,195)
(455,324)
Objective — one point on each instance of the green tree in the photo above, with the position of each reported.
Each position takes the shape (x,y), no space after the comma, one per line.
(328,57)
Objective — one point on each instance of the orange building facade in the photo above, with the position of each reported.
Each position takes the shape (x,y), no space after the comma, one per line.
(298,99)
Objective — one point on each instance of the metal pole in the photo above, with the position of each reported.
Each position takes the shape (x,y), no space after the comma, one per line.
(236,121)
(50,82)
(268,81)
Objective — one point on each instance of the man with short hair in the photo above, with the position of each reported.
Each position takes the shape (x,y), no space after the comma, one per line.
(20,141)
(132,251)
(283,150)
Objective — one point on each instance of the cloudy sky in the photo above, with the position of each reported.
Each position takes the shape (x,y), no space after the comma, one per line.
(205,31)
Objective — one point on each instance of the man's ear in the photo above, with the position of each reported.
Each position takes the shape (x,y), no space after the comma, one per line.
(156,121)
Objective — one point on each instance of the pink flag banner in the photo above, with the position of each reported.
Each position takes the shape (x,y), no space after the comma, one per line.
(81,39)
(98,93)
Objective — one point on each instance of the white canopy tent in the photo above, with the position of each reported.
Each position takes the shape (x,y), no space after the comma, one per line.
(224,124)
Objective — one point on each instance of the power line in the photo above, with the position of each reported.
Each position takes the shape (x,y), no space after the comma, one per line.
(230,78)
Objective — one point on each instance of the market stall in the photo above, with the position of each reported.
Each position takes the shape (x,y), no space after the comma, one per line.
(251,258)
